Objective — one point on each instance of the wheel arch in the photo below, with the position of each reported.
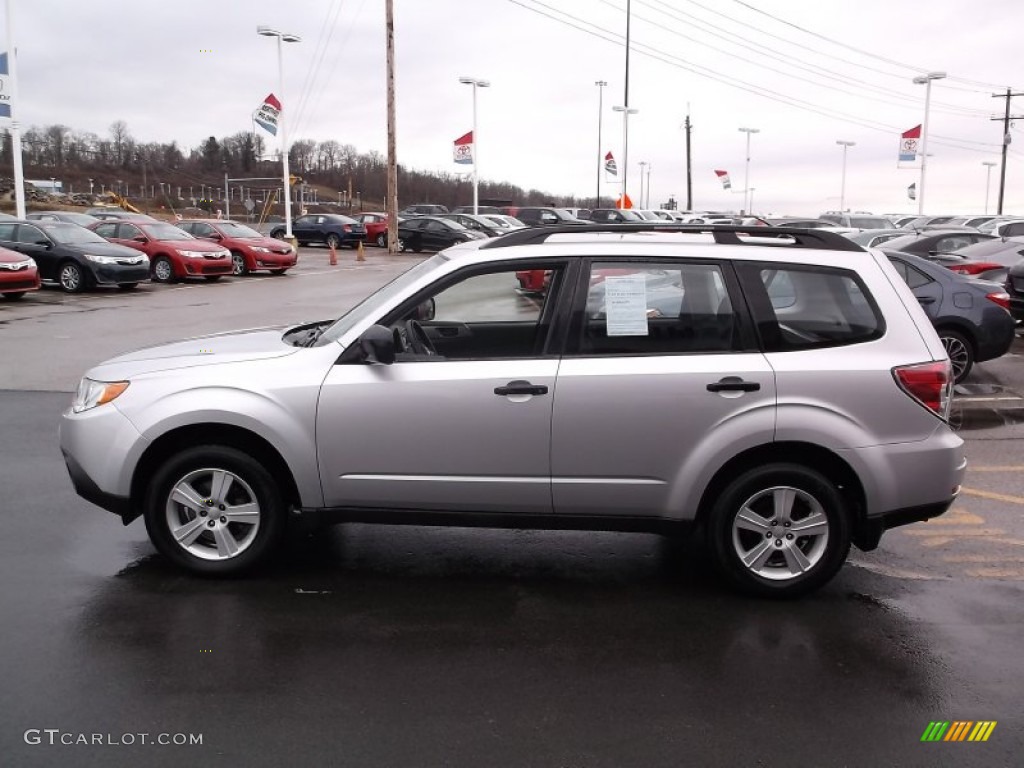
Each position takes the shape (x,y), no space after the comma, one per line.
(959,326)
(228,435)
(815,457)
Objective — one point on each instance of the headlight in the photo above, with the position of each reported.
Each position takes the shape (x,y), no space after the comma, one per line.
(101,259)
(27,263)
(259,249)
(92,393)
(193,254)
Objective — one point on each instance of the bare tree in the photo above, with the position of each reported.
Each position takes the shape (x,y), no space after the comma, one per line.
(121,141)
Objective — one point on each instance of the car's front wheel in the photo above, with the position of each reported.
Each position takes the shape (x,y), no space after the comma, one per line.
(333,241)
(162,270)
(382,240)
(238,265)
(71,277)
(214,510)
(780,530)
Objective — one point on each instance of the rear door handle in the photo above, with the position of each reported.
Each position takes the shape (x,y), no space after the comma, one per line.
(520,387)
(733,384)
(925,300)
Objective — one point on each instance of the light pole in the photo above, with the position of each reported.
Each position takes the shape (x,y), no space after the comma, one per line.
(476,139)
(842,189)
(285,174)
(642,164)
(926,81)
(647,205)
(746,172)
(90,187)
(626,112)
(600,157)
(988,178)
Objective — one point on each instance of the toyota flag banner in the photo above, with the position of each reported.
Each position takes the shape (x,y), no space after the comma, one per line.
(5,98)
(266,115)
(908,144)
(609,165)
(463,151)
(912,191)
(724,176)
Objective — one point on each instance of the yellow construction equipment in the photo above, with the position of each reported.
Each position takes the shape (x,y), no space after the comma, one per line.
(120,202)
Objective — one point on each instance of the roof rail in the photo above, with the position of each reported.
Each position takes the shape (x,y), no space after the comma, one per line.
(723,233)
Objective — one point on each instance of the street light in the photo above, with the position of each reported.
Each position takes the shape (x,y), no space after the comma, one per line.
(925,80)
(988,178)
(600,157)
(90,187)
(642,164)
(476,139)
(746,172)
(626,112)
(285,174)
(842,189)
(647,206)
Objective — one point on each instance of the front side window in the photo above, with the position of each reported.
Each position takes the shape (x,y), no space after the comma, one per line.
(27,234)
(655,308)
(805,307)
(106,230)
(7,232)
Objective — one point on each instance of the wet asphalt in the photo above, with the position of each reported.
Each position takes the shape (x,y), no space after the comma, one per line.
(384,646)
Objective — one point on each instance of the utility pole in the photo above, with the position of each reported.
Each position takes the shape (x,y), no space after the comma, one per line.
(391,204)
(1006,142)
(689,166)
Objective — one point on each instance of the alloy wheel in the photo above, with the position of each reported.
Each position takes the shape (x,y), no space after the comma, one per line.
(212,514)
(780,533)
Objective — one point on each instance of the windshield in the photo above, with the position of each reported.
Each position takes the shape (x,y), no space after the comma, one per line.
(234,229)
(374,301)
(71,234)
(166,232)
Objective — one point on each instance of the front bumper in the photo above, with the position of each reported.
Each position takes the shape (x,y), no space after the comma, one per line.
(114,274)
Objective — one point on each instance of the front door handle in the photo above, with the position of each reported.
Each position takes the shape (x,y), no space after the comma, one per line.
(520,387)
(925,300)
(733,384)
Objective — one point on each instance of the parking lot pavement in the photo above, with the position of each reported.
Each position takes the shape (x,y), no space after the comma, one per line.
(377,645)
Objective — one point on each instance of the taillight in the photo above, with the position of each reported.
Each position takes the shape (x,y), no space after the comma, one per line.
(347,227)
(974,267)
(931,384)
(1002,298)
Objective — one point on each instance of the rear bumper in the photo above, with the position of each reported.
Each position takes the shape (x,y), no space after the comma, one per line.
(1017,307)
(870,531)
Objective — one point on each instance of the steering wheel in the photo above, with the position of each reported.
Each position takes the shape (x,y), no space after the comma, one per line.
(418,339)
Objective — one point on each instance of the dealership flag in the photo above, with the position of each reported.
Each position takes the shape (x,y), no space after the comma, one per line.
(266,115)
(724,176)
(609,165)
(463,150)
(908,144)
(5,99)
(912,191)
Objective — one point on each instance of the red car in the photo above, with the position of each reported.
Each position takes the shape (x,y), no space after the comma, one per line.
(173,253)
(18,275)
(250,250)
(376,227)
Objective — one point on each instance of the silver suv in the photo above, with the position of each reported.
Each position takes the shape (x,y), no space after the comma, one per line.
(781,391)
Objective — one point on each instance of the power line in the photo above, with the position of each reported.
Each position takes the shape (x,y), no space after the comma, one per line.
(312,73)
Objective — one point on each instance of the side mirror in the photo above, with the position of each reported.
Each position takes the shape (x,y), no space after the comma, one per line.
(425,311)
(140,239)
(45,243)
(378,345)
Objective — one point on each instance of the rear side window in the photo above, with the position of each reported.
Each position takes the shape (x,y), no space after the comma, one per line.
(808,307)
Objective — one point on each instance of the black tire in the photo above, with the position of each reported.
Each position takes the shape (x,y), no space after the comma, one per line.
(161,270)
(212,278)
(417,244)
(277,234)
(257,486)
(401,245)
(333,241)
(382,240)
(960,351)
(238,266)
(71,277)
(755,491)
(127,286)
(15,296)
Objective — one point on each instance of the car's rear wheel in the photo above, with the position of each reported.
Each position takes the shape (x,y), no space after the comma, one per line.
(401,245)
(277,234)
(238,265)
(416,244)
(382,240)
(214,510)
(960,351)
(780,530)
(71,277)
(162,270)
(333,241)
(14,296)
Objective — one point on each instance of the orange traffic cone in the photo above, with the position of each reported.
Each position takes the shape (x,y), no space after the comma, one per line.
(334,256)
(360,256)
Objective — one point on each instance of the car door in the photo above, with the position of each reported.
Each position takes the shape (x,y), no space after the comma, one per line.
(437,235)
(927,291)
(304,229)
(33,242)
(661,383)
(466,429)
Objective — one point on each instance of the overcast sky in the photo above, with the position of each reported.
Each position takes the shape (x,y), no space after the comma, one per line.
(186,70)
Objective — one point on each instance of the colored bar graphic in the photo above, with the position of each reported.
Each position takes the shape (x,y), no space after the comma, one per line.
(958,730)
